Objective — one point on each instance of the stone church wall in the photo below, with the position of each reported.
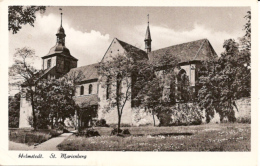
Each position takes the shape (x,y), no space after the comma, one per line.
(86,88)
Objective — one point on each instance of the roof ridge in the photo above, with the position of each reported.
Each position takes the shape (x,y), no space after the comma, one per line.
(180,44)
(129,44)
(86,65)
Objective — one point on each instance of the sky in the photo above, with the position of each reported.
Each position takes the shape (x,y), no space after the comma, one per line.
(90,30)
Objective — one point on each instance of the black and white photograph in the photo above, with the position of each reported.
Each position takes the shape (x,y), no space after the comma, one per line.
(147,78)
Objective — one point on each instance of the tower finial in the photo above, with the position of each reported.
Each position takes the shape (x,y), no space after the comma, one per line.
(148,18)
(60,17)
(148,40)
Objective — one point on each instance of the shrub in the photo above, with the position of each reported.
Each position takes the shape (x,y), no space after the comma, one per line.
(88,133)
(180,114)
(102,123)
(121,132)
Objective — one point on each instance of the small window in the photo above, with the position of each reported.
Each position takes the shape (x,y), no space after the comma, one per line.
(90,89)
(49,63)
(82,90)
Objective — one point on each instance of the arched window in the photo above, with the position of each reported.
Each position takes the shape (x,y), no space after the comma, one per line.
(108,88)
(90,89)
(183,83)
(82,90)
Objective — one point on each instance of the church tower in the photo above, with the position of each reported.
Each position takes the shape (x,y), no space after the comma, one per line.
(58,61)
(148,39)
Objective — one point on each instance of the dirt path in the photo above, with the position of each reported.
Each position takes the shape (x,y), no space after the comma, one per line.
(51,144)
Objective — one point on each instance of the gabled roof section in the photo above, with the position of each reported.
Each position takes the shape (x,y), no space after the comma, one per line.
(45,72)
(89,72)
(195,50)
(138,53)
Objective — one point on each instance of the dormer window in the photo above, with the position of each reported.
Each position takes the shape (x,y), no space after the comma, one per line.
(48,63)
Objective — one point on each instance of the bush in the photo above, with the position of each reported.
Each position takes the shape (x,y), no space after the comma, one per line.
(121,132)
(88,133)
(180,114)
(102,123)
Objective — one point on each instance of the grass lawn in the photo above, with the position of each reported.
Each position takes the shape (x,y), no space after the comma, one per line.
(207,137)
(31,137)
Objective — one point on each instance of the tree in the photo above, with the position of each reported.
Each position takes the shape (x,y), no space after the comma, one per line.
(75,77)
(14,110)
(228,78)
(122,75)
(21,15)
(169,84)
(54,101)
(22,67)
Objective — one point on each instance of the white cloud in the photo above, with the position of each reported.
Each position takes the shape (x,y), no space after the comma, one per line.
(87,47)
(163,36)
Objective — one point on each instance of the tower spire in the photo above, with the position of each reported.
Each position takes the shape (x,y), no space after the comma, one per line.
(60,17)
(61,32)
(148,39)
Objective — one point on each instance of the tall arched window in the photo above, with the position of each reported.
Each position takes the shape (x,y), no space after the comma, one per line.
(90,89)
(82,90)
(183,83)
(108,88)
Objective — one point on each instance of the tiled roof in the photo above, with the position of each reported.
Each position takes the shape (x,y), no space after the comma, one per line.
(195,50)
(140,54)
(89,71)
(88,100)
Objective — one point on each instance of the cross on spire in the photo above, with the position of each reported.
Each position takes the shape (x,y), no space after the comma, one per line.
(60,16)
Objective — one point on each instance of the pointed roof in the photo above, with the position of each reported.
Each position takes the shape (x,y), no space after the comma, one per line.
(137,52)
(140,54)
(59,48)
(148,34)
(190,51)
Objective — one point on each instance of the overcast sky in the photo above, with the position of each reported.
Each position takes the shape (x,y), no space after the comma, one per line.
(90,30)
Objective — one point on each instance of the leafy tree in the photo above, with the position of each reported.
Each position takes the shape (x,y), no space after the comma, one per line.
(14,110)
(21,15)
(54,101)
(74,78)
(121,74)
(23,67)
(245,41)
(228,78)
(168,86)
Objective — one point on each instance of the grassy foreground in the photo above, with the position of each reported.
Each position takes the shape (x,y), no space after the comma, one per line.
(31,137)
(211,137)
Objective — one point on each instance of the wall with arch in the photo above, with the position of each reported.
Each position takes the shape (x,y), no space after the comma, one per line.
(86,88)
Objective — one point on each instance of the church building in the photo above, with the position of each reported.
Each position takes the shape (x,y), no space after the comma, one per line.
(92,97)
